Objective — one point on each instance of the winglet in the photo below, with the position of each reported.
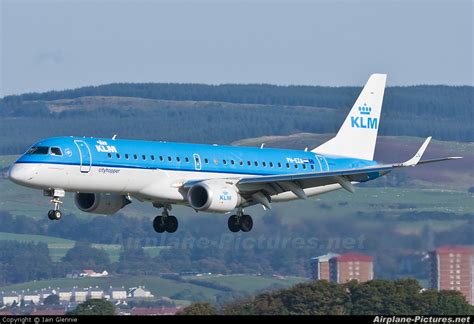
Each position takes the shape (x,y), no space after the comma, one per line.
(417,157)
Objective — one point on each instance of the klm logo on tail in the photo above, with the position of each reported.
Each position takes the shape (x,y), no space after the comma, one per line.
(364,121)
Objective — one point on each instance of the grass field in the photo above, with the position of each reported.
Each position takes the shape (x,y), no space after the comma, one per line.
(161,287)
(58,247)
(250,284)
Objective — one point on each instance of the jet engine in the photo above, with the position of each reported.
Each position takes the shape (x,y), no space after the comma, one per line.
(100,203)
(214,196)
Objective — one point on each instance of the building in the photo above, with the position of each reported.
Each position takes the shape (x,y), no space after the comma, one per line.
(96,293)
(139,292)
(320,266)
(150,311)
(10,298)
(118,293)
(351,266)
(64,294)
(48,311)
(452,268)
(44,293)
(79,295)
(31,297)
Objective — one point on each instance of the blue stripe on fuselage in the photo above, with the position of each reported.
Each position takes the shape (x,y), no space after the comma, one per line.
(111,153)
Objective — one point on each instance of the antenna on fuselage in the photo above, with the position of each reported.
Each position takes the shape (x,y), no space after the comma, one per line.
(306,149)
(114,137)
(261,146)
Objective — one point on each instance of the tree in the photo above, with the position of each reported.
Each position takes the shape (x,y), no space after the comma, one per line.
(94,307)
(51,300)
(82,255)
(446,302)
(199,309)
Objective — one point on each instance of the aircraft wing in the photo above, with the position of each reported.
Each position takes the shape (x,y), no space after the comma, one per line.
(272,185)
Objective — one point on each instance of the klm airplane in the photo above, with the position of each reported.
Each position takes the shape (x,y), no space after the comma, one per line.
(105,175)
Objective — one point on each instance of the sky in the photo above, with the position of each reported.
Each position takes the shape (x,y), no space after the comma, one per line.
(54,45)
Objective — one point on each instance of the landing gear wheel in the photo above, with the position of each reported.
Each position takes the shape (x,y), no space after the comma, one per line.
(54,215)
(233,224)
(246,223)
(159,224)
(171,224)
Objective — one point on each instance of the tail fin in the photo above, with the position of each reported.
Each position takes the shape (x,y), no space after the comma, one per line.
(358,134)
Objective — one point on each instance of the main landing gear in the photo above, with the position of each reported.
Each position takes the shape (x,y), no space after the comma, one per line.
(240,222)
(165,222)
(57,194)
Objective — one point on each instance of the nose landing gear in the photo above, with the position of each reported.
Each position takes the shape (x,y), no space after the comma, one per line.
(57,194)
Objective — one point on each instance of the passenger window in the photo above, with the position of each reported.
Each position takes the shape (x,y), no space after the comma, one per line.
(178,159)
(264,164)
(143,157)
(241,162)
(287,165)
(296,166)
(118,156)
(249,163)
(126,156)
(169,158)
(153,158)
(312,167)
(304,166)
(109,155)
(186,159)
(135,156)
(206,161)
(56,151)
(161,158)
(232,162)
(271,164)
(224,161)
(279,164)
(256,163)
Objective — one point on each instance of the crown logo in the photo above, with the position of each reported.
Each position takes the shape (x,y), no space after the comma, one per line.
(101,142)
(364,110)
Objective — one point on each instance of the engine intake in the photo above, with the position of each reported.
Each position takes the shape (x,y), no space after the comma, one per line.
(100,203)
(213,196)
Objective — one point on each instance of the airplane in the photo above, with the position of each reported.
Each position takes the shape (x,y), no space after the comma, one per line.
(106,174)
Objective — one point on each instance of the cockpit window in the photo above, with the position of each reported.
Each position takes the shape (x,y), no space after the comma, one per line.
(56,151)
(38,150)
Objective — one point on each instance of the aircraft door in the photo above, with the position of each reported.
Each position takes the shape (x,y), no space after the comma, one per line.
(85,156)
(322,162)
(197,162)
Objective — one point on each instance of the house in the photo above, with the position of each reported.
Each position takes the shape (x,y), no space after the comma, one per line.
(31,297)
(64,294)
(96,293)
(80,295)
(45,293)
(99,274)
(139,292)
(6,313)
(117,293)
(91,273)
(48,311)
(149,311)
(10,298)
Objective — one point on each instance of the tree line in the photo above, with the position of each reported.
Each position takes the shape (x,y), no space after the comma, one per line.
(377,297)
(221,114)
(197,248)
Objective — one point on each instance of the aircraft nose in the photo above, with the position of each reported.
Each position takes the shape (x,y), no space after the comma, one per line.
(21,173)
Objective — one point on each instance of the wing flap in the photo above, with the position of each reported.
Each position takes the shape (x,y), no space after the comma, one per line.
(299,181)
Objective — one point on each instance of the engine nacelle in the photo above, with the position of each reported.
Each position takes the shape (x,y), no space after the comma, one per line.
(100,203)
(213,196)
